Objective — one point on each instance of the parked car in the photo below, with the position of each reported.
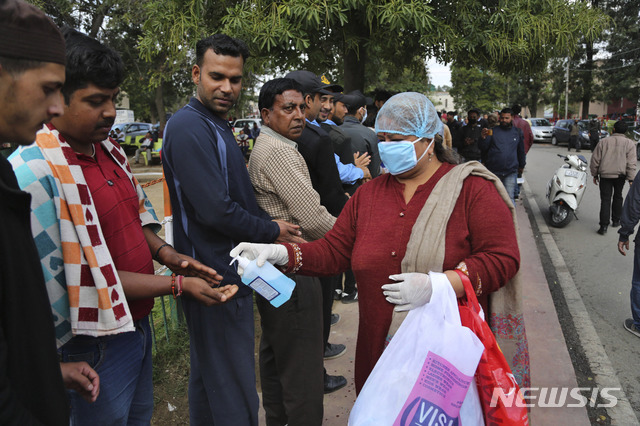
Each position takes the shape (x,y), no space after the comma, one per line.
(562,133)
(136,129)
(133,133)
(542,129)
(239,123)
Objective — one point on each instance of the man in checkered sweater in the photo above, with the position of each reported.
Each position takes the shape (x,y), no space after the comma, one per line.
(291,351)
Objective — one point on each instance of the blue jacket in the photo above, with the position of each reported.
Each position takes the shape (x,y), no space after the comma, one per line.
(630,212)
(504,151)
(214,207)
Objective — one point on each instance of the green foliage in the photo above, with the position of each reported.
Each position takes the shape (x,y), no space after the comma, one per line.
(620,72)
(363,43)
(501,35)
(406,75)
(474,87)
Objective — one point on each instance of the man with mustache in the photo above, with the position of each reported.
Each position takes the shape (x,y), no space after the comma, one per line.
(315,146)
(468,137)
(95,232)
(214,208)
(292,344)
(352,167)
(504,152)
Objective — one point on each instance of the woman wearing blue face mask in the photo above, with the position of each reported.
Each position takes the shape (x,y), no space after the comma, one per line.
(428,214)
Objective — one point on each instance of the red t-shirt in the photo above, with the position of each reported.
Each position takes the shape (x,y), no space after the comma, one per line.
(117,204)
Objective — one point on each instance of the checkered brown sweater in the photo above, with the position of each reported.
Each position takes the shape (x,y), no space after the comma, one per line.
(282,185)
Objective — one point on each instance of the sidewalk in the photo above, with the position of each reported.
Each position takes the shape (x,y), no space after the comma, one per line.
(550,361)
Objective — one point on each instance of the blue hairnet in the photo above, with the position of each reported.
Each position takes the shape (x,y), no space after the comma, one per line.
(409,113)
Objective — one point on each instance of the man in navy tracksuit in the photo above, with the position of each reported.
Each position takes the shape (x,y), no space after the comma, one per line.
(504,151)
(215,209)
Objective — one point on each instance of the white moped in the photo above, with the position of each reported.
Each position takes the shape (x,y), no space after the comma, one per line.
(566,188)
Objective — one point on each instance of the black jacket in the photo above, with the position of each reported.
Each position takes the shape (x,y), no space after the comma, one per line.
(342,148)
(340,142)
(472,151)
(31,388)
(362,140)
(317,151)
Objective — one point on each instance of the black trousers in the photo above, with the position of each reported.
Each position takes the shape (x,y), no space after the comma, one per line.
(291,357)
(574,143)
(609,210)
(329,285)
(349,282)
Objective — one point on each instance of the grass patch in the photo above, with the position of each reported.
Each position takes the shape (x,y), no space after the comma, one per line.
(170,369)
(171,364)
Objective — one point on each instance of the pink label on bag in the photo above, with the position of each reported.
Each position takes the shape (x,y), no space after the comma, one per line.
(437,395)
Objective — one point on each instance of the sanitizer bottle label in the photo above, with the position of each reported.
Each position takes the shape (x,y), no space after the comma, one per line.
(264,289)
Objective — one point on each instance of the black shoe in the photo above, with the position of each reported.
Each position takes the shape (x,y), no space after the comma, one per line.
(337,295)
(602,230)
(335,318)
(615,224)
(628,325)
(333,383)
(332,351)
(350,298)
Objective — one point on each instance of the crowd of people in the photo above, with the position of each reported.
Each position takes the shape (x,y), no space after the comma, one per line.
(350,212)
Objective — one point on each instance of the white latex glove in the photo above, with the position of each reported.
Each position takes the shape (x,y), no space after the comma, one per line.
(412,290)
(276,254)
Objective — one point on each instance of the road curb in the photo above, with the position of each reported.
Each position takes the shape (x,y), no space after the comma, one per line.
(605,374)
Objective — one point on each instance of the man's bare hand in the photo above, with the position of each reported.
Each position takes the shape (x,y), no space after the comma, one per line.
(78,376)
(367,175)
(204,293)
(595,180)
(623,246)
(289,233)
(361,160)
(181,264)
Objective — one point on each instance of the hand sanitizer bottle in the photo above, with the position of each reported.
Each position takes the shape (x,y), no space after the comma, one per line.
(267,281)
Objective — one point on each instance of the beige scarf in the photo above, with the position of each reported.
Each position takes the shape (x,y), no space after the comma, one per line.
(426,251)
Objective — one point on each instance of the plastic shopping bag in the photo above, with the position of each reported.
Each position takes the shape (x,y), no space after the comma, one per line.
(423,377)
(496,383)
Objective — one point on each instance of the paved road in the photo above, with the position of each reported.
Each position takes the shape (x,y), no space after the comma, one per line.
(601,274)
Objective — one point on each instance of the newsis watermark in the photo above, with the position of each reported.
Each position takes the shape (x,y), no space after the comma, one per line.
(554,397)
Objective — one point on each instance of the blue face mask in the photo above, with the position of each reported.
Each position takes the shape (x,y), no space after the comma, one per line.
(399,157)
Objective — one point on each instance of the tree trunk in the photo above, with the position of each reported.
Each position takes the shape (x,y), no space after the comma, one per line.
(534,87)
(533,108)
(162,115)
(354,60)
(152,112)
(354,70)
(588,81)
(98,18)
